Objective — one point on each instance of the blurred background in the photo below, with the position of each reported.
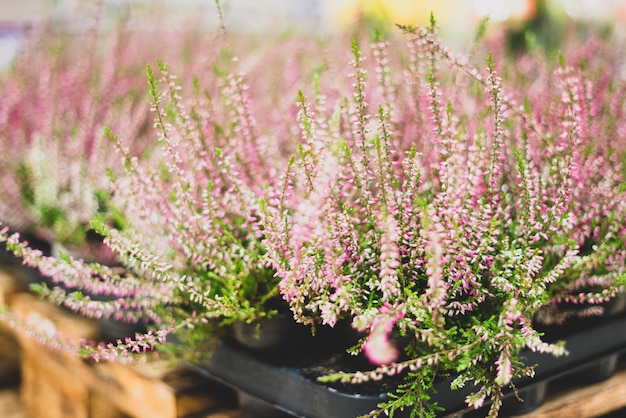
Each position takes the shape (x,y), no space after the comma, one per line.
(528,22)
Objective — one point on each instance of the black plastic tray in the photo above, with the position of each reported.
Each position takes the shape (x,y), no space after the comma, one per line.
(285,386)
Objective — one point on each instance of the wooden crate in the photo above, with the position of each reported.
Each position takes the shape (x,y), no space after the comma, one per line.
(51,388)
(567,399)
(156,389)
(57,384)
(11,283)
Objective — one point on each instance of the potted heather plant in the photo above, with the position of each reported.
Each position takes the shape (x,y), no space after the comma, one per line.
(447,209)
(191,250)
(58,174)
(56,101)
(55,104)
(194,212)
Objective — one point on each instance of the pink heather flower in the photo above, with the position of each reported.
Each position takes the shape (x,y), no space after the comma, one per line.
(389,260)
(436,292)
(379,350)
(511,313)
(475,401)
(380,323)
(505,370)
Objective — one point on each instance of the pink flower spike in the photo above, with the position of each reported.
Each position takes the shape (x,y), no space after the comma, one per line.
(379,349)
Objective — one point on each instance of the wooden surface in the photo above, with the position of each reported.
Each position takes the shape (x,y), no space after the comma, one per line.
(10,403)
(10,285)
(11,406)
(56,384)
(569,400)
(104,390)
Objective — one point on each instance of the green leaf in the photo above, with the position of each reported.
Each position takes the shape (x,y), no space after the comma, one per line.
(490,63)
(481,29)
(78,296)
(38,288)
(433,22)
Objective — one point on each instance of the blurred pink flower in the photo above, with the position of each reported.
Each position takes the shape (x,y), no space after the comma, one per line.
(379,350)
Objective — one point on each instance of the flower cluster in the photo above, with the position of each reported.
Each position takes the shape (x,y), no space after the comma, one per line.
(444,204)
(185,196)
(196,206)
(53,111)
(67,84)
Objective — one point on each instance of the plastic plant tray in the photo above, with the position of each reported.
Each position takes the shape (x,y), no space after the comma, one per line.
(279,385)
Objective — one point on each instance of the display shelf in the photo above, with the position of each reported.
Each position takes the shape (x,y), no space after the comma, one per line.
(567,397)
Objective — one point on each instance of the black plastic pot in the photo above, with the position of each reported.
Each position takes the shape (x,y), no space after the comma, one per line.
(273,385)
(277,334)
(280,385)
(281,334)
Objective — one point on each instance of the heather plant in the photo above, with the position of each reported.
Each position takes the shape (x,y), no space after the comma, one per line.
(56,174)
(442,205)
(191,252)
(195,212)
(57,101)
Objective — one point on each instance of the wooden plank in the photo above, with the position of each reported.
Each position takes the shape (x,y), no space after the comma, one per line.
(43,317)
(137,389)
(133,393)
(48,390)
(10,284)
(10,403)
(156,389)
(584,401)
(9,356)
